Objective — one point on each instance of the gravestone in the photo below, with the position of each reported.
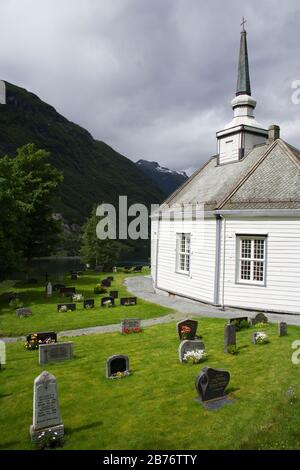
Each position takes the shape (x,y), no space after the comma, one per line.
(128,301)
(282,328)
(106,283)
(130,325)
(192,325)
(115,270)
(57,287)
(23,312)
(69,306)
(43,336)
(68,291)
(55,352)
(107,301)
(229,336)
(114,294)
(46,412)
(211,384)
(137,269)
(259,318)
(49,289)
(115,364)
(89,303)
(189,345)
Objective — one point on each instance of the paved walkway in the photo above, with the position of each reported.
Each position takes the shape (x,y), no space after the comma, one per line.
(141,286)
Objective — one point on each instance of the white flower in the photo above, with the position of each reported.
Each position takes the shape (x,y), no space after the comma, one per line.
(195,356)
(261,337)
(77,297)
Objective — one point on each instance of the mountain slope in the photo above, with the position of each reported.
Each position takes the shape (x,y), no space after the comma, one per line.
(93,171)
(167,180)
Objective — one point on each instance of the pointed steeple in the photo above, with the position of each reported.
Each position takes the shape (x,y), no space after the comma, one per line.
(243,82)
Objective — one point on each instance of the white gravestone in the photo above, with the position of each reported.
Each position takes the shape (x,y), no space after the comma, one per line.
(46,412)
(49,289)
(2,92)
(55,352)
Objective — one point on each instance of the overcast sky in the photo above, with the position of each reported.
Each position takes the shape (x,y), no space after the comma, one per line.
(154,78)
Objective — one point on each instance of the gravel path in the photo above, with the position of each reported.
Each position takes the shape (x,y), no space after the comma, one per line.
(141,286)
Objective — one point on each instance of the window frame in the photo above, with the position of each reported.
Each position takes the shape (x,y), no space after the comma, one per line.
(251,259)
(186,253)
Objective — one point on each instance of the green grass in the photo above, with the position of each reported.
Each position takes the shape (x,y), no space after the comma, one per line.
(44,310)
(155,407)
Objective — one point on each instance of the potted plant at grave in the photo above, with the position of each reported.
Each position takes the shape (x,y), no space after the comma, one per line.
(185,332)
(195,357)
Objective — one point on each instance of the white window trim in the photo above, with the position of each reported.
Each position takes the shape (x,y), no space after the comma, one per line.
(251,281)
(186,253)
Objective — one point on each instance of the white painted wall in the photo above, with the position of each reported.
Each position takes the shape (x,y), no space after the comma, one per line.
(199,284)
(282,290)
(229,148)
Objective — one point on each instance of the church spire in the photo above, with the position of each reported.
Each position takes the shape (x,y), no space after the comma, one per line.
(243,82)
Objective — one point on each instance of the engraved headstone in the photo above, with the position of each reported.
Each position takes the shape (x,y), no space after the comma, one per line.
(23,312)
(229,336)
(49,289)
(187,329)
(89,303)
(189,345)
(131,325)
(46,412)
(211,383)
(55,352)
(259,318)
(282,328)
(118,363)
(107,302)
(128,301)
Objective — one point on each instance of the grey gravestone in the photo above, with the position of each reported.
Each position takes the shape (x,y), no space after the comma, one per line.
(46,412)
(259,318)
(211,384)
(55,352)
(49,289)
(114,294)
(282,328)
(189,345)
(117,363)
(128,325)
(229,336)
(128,301)
(23,312)
(192,324)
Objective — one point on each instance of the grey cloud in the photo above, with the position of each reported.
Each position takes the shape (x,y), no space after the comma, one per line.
(154,78)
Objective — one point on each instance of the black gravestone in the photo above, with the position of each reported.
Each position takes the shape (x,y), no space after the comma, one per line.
(74,277)
(282,328)
(57,287)
(43,336)
(69,306)
(114,294)
(115,364)
(187,329)
(67,291)
(211,383)
(89,303)
(107,301)
(128,301)
(229,336)
(106,283)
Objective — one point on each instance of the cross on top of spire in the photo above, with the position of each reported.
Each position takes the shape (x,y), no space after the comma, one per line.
(243,24)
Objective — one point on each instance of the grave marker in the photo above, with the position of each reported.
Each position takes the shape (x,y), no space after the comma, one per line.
(55,352)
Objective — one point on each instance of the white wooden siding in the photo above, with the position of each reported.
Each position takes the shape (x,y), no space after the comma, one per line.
(199,283)
(282,290)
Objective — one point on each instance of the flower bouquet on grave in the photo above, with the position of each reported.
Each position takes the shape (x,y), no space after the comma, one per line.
(77,298)
(120,375)
(49,439)
(63,309)
(195,357)
(261,338)
(185,332)
(34,343)
(127,331)
(107,303)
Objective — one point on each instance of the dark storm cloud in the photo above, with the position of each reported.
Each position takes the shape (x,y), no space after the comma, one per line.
(154,78)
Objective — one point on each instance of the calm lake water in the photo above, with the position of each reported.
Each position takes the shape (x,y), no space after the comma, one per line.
(57,267)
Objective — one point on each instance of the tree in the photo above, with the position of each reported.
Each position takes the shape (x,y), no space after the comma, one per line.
(28,187)
(95,251)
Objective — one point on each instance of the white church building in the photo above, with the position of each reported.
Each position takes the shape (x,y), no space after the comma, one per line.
(230,235)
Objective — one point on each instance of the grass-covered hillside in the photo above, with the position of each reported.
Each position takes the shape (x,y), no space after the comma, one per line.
(93,171)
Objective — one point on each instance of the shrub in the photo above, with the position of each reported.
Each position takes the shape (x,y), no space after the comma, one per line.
(16,303)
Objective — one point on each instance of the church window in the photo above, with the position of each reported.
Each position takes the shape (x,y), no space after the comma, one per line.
(252,259)
(183,252)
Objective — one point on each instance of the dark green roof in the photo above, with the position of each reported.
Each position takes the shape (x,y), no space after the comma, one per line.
(243,82)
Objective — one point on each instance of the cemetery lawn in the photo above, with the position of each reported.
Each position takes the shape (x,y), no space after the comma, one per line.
(155,407)
(44,310)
